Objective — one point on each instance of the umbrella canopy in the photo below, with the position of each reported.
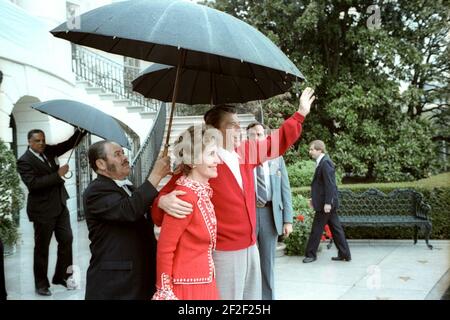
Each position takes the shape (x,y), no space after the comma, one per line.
(203,87)
(84,117)
(183,34)
(158,30)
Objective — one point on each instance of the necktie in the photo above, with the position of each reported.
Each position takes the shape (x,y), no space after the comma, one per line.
(261,189)
(45,159)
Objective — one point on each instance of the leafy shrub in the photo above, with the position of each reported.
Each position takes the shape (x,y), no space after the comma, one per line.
(297,240)
(11,196)
(301,173)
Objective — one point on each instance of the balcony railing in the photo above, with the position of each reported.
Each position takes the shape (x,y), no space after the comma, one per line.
(109,75)
(143,162)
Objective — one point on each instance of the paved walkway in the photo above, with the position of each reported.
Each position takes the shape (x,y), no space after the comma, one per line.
(379,270)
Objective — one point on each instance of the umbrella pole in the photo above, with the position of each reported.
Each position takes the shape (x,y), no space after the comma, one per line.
(71,152)
(174,99)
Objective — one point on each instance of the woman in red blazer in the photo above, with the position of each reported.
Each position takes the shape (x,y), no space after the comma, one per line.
(185,268)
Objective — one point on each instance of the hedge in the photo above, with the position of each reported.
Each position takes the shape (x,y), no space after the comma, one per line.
(436,192)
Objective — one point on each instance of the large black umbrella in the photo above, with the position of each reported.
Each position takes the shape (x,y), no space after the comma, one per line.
(203,87)
(183,34)
(84,117)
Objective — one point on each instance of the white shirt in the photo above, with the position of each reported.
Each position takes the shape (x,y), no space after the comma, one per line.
(40,158)
(266,169)
(231,159)
(38,155)
(123,184)
(319,158)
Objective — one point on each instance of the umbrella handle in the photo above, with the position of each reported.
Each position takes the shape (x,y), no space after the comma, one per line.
(68,176)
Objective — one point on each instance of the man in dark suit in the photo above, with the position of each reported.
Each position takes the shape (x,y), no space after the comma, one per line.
(123,245)
(325,203)
(46,206)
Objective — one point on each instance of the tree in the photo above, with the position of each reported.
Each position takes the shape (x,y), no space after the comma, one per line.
(357,55)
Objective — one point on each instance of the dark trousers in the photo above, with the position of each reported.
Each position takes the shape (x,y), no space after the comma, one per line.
(3,294)
(43,232)
(320,220)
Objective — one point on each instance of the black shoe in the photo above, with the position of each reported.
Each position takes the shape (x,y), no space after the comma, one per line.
(61,282)
(309,259)
(70,283)
(43,292)
(341,259)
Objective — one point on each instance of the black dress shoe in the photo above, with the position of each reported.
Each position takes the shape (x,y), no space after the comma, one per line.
(309,259)
(43,292)
(70,284)
(341,259)
(61,282)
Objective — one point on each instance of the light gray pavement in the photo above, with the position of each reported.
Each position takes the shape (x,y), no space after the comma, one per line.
(379,270)
(383,269)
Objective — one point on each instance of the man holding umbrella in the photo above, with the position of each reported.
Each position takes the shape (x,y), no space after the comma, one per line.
(46,206)
(123,245)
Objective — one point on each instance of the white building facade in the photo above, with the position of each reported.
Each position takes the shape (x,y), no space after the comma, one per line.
(38,67)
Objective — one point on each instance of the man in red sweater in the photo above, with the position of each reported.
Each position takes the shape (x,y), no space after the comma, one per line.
(236,257)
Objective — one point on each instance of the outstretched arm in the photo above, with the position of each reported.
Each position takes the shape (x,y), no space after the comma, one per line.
(61,148)
(276,144)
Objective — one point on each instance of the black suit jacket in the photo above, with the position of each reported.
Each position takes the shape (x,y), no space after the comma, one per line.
(47,195)
(323,186)
(123,244)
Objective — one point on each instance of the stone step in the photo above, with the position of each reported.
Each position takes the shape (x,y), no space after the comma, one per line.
(121,102)
(148,114)
(83,83)
(107,96)
(94,90)
(134,109)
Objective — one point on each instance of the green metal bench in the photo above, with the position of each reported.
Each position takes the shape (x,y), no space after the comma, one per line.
(373,208)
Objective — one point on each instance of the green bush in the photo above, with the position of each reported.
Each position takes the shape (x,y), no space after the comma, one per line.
(11,197)
(436,192)
(301,173)
(296,242)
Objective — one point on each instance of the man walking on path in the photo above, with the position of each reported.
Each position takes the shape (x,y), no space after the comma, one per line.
(325,203)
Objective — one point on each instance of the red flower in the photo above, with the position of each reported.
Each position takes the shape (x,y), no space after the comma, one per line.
(300,218)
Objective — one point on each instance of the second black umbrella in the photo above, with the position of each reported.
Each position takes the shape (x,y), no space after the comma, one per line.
(204,87)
